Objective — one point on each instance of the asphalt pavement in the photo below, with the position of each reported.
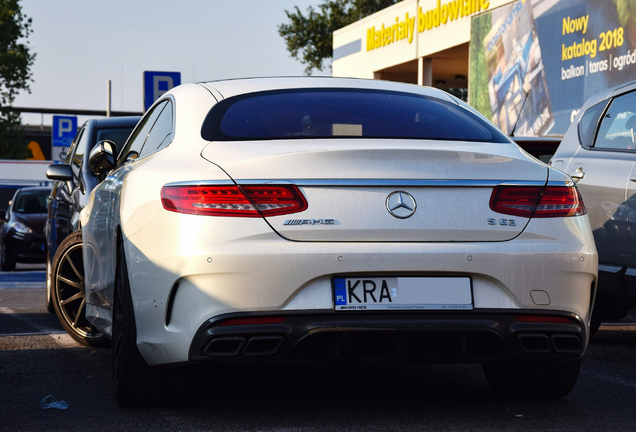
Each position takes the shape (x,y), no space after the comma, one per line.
(38,359)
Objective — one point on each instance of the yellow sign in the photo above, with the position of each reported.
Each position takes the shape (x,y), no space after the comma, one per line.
(439,15)
(387,35)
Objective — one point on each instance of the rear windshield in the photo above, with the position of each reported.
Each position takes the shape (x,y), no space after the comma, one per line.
(31,202)
(337,113)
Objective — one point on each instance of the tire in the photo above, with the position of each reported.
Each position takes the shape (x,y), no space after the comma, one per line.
(532,379)
(68,293)
(607,309)
(49,293)
(617,310)
(136,383)
(595,324)
(7,262)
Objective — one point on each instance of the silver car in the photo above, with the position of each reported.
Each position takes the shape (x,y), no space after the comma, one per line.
(599,153)
(278,219)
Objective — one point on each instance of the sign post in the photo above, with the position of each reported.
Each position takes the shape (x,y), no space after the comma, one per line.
(63,132)
(157,83)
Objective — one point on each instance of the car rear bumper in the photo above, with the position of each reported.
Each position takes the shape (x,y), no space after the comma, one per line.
(475,336)
(181,281)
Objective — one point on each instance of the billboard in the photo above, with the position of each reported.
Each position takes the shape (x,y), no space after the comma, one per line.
(534,62)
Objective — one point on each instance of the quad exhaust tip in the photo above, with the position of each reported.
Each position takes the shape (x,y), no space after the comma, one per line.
(535,343)
(248,346)
(263,345)
(225,346)
(542,343)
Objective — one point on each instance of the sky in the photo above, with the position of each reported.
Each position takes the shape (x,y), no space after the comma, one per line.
(81,44)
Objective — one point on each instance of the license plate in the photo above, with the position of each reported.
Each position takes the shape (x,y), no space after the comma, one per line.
(403,293)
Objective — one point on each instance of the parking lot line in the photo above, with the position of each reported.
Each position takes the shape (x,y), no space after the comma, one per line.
(39,330)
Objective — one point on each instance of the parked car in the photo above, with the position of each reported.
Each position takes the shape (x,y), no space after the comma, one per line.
(598,152)
(334,219)
(64,266)
(22,228)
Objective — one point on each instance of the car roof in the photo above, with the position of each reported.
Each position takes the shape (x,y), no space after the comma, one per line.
(35,188)
(113,122)
(239,86)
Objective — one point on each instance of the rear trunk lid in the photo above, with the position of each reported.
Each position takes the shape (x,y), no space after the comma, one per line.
(386,190)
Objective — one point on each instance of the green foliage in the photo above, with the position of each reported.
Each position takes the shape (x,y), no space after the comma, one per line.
(478,68)
(16,60)
(458,92)
(12,142)
(625,9)
(309,37)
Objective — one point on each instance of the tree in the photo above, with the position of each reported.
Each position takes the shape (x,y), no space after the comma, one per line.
(478,67)
(309,38)
(16,60)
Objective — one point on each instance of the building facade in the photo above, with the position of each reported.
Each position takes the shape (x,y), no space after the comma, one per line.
(528,65)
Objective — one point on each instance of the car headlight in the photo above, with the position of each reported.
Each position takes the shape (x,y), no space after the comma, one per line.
(21,228)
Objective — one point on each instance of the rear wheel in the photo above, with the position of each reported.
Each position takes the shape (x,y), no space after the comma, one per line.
(7,262)
(68,293)
(532,379)
(595,324)
(136,383)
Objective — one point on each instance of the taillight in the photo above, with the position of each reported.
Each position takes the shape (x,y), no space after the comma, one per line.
(232,201)
(531,201)
(559,202)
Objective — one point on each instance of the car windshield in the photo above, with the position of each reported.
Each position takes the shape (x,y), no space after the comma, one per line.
(117,135)
(338,113)
(31,202)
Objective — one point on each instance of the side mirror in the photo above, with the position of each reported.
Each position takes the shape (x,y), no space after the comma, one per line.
(101,159)
(62,172)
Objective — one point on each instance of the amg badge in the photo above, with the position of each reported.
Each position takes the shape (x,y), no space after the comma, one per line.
(309,222)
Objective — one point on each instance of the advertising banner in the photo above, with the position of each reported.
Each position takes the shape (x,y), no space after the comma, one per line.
(534,62)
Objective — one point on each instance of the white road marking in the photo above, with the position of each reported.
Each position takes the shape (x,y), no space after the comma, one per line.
(65,340)
(39,330)
(618,324)
(22,285)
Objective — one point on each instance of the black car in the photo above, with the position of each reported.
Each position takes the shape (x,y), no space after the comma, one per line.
(64,263)
(22,228)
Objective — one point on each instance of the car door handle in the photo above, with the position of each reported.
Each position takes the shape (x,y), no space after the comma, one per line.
(633,177)
(577,175)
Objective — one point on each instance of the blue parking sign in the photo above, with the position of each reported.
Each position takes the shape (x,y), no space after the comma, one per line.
(157,83)
(63,131)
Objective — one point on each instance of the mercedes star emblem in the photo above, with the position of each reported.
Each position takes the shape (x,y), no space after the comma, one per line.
(401,204)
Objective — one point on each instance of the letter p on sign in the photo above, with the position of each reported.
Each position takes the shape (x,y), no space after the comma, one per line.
(63,131)
(66,125)
(157,83)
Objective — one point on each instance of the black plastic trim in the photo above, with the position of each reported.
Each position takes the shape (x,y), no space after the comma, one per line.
(171,296)
(466,336)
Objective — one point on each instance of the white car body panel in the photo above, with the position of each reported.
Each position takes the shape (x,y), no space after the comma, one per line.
(504,273)
(220,265)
